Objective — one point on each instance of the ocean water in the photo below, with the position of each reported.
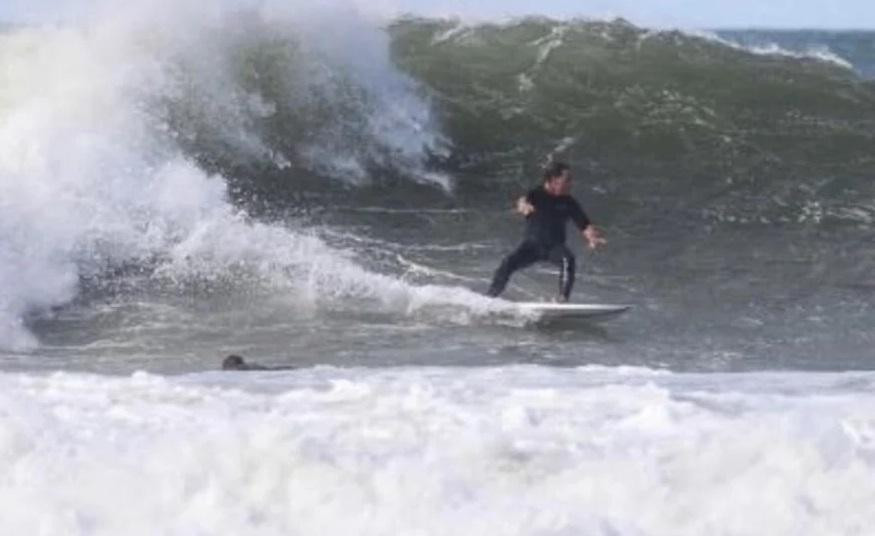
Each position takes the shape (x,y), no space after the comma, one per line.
(328,193)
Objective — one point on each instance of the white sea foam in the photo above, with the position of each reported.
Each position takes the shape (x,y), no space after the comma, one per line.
(92,174)
(520,450)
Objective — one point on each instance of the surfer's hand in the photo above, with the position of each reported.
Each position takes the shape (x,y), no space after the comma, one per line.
(593,237)
(524,207)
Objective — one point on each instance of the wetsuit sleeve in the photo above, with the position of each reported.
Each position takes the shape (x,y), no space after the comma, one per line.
(579,216)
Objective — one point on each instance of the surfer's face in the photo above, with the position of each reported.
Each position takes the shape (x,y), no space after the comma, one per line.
(560,185)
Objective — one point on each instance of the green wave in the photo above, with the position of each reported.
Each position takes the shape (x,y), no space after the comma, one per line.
(665,113)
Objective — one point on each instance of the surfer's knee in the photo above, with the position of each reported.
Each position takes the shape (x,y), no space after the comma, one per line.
(565,259)
(570,262)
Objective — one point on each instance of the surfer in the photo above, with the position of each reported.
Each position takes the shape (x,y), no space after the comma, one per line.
(547,209)
(235,362)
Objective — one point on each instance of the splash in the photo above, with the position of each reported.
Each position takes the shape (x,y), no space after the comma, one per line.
(116,136)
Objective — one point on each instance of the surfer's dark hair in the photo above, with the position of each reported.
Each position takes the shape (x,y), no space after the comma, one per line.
(233,362)
(556,169)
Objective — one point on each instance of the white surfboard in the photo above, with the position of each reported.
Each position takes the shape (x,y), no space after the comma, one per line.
(593,311)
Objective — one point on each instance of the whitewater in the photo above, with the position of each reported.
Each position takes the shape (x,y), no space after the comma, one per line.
(326,191)
(516,450)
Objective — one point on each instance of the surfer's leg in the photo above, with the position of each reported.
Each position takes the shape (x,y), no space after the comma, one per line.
(564,259)
(525,255)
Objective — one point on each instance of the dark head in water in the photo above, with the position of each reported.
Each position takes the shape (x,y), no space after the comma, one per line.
(235,362)
(557,179)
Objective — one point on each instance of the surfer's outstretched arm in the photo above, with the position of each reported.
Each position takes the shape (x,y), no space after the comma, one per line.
(593,237)
(524,206)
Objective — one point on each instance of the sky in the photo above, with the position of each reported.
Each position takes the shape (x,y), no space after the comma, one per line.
(835,14)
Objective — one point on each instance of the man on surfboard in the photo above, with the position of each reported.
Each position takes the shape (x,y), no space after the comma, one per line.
(547,209)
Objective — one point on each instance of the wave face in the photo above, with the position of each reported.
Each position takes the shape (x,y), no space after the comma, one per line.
(180,178)
(754,134)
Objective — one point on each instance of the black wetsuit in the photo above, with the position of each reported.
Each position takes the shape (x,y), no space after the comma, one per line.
(545,240)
